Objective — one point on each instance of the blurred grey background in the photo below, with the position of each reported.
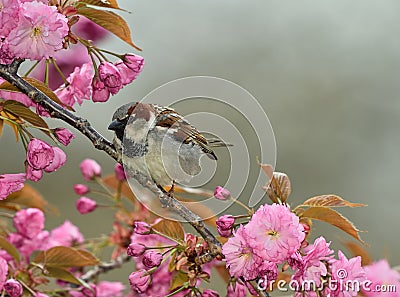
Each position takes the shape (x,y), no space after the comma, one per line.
(326,73)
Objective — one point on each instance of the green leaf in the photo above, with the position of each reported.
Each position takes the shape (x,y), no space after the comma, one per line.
(9,248)
(65,275)
(25,113)
(172,229)
(65,257)
(109,21)
(332,217)
(103,3)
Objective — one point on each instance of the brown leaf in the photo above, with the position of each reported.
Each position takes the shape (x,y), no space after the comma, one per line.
(112,182)
(65,275)
(279,187)
(28,197)
(1,126)
(172,229)
(37,84)
(102,3)
(9,248)
(330,201)
(65,257)
(109,21)
(358,250)
(223,272)
(25,113)
(268,169)
(332,217)
(179,278)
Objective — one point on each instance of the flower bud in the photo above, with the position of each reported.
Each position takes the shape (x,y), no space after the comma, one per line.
(135,249)
(110,76)
(39,154)
(81,189)
(85,205)
(152,259)
(90,169)
(63,135)
(225,222)
(221,193)
(141,228)
(100,92)
(139,281)
(134,62)
(224,233)
(33,174)
(119,172)
(13,288)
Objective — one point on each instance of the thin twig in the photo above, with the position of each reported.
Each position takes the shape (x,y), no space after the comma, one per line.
(105,267)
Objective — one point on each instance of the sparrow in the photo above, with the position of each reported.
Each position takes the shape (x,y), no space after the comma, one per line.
(159,143)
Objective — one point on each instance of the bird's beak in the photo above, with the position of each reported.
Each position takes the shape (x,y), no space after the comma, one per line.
(116,125)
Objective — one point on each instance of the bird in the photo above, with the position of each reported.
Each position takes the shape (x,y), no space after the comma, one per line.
(159,143)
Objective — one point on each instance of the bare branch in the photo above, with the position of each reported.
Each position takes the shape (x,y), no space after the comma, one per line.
(105,267)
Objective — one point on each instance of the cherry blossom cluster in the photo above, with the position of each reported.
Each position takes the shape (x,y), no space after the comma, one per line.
(274,239)
(29,237)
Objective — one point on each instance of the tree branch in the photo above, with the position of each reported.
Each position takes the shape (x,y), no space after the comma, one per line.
(105,267)
(9,73)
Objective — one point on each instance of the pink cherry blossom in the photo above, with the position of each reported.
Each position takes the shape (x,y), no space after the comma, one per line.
(110,76)
(29,222)
(79,87)
(39,33)
(13,288)
(100,91)
(85,205)
(59,159)
(66,234)
(27,246)
(141,228)
(6,56)
(119,172)
(236,290)
(225,222)
(63,135)
(135,249)
(240,259)
(107,289)
(134,62)
(9,10)
(275,233)
(379,274)
(33,174)
(90,169)
(314,263)
(139,280)
(10,183)
(81,189)
(348,275)
(3,272)
(221,193)
(39,154)
(152,259)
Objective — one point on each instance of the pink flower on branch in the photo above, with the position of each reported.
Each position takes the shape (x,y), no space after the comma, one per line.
(39,154)
(90,169)
(380,274)
(40,31)
(79,87)
(10,183)
(85,205)
(110,76)
(63,135)
(29,222)
(139,280)
(13,288)
(275,233)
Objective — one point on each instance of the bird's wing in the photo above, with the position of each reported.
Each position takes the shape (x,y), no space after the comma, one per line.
(182,130)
